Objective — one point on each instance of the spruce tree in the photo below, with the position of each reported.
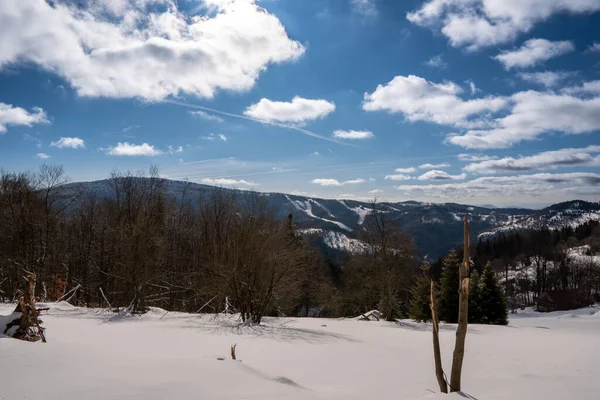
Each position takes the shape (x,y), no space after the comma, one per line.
(449,288)
(421,297)
(474,299)
(493,303)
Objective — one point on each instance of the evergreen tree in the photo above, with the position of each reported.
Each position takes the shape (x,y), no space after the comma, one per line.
(493,303)
(421,297)
(449,288)
(474,299)
(388,301)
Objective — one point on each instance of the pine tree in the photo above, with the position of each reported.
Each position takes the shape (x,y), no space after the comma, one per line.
(449,288)
(420,310)
(493,303)
(474,299)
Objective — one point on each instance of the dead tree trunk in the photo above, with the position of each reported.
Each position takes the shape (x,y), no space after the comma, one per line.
(439,370)
(463,315)
(27,320)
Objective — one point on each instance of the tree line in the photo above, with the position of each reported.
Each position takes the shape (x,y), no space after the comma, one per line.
(220,250)
(216,250)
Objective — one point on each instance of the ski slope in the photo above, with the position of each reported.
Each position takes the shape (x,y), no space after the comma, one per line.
(93,354)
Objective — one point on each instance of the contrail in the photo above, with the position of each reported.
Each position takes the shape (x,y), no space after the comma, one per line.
(295,128)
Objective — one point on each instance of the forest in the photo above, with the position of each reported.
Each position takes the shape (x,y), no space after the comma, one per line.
(221,252)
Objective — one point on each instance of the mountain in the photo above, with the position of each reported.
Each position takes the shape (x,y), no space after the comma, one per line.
(435,227)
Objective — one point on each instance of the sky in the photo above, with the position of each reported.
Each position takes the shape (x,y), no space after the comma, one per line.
(468,101)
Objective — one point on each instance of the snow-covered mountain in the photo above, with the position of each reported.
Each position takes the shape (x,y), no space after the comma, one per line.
(435,227)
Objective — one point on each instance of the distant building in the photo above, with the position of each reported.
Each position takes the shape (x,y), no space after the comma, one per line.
(561,300)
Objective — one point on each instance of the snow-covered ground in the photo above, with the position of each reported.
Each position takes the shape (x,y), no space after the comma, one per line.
(92,354)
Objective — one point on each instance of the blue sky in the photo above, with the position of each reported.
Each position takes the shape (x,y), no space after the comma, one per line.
(471,101)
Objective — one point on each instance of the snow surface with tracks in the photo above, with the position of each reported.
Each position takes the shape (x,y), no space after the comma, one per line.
(94,354)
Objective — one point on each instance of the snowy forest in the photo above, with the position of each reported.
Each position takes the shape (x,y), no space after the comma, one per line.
(220,252)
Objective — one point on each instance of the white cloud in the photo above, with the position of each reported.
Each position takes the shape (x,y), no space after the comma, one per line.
(433,166)
(129,49)
(591,87)
(545,160)
(212,136)
(365,8)
(69,142)
(172,150)
(399,177)
(408,170)
(533,114)
(475,157)
(206,116)
(353,135)
(475,24)
(472,86)
(594,47)
(547,79)
(375,191)
(534,52)
(421,100)
(299,110)
(437,62)
(42,156)
(506,186)
(130,149)
(10,115)
(227,182)
(436,175)
(335,182)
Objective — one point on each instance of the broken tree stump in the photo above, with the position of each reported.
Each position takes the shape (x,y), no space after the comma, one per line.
(27,316)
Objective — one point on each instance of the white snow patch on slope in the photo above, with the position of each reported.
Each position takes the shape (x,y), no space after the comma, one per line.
(337,240)
(361,211)
(306,207)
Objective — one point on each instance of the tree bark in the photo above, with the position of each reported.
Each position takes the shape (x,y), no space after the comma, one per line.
(439,370)
(463,315)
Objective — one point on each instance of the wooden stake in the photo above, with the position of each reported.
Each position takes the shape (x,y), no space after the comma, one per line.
(439,370)
(463,315)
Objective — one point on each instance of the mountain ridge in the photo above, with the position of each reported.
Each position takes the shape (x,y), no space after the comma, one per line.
(435,227)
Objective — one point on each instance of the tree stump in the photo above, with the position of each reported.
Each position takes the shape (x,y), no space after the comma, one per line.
(27,316)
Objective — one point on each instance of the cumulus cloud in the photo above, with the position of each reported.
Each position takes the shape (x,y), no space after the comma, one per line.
(534,52)
(227,182)
(353,135)
(398,177)
(422,100)
(375,191)
(69,142)
(547,79)
(299,110)
(510,186)
(222,137)
(545,160)
(591,87)
(42,156)
(408,170)
(594,48)
(133,150)
(437,175)
(533,114)
(335,182)
(206,116)
(476,24)
(437,62)
(433,166)
(146,49)
(10,115)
